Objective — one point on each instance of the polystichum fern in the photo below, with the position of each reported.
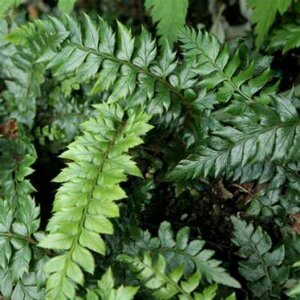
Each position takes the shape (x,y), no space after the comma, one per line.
(86,200)
(218,105)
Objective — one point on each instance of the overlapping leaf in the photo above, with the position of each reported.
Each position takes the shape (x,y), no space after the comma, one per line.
(286,38)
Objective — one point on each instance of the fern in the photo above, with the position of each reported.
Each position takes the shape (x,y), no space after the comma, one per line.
(106,290)
(243,142)
(180,252)
(89,191)
(166,285)
(222,72)
(286,38)
(20,259)
(280,198)
(260,266)
(263,15)
(126,67)
(22,79)
(169,15)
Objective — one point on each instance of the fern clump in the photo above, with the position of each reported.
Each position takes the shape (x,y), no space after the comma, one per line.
(221,163)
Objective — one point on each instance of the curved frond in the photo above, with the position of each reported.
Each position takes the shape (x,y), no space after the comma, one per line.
(20,258)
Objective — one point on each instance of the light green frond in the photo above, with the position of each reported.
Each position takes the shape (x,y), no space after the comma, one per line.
(87,198)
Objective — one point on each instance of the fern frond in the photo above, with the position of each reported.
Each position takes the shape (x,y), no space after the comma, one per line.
(270,133)
(22,79)
(129,68)
(263,15)
(86,200)
(223,72)
(180,252)
(106,290)
(260,266)
(169,15)
(19,221)
(286,38)
(166,285)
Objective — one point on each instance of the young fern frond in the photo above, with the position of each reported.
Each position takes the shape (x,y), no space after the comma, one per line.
(179,251)
(268,133)
(86,200)
(106,289)
(166,285)
(223,72)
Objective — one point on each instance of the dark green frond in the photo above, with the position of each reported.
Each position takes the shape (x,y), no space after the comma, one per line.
(261,266)
(268,134)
